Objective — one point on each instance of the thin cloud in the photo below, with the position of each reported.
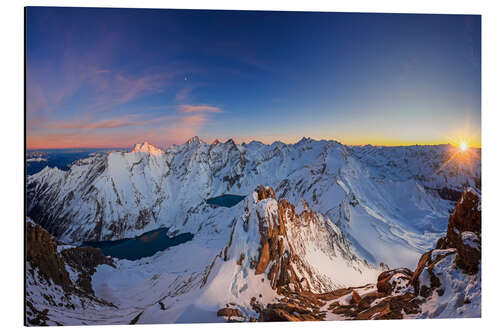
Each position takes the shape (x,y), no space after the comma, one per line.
(164,130)
(41,124)
(186,108)
(116,89)
(108,123)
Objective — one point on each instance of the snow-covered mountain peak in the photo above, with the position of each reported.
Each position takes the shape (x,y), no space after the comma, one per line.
(304,140)
(252,144)
(146,147)
(194,140)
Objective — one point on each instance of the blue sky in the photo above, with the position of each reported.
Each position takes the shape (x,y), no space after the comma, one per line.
(113,77)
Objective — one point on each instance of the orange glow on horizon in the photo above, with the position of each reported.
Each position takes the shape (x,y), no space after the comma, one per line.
(62,142)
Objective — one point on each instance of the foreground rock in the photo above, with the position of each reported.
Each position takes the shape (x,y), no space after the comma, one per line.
(464,232)
(85,260)
(230,314)
(396,281)
(446,282)
(58,280)
(41,253)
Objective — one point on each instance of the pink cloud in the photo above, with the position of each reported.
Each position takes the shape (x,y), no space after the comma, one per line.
(162,131)
(114,89)
(102,124)
(186,108)
(47,88)
(40,124)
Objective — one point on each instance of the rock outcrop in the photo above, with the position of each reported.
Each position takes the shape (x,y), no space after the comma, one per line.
(464,232)
(230,313)
(462,243)
(444,283)
(458,253)
(265,192)
(350,303)
(275,247)
(41,253)
(56,279)
(425,280)
(276,255)
(275,241)
(85,260)
(394,281)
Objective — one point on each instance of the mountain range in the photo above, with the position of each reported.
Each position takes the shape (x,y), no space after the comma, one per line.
(317,218)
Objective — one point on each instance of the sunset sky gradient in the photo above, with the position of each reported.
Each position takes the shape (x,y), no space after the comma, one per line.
(115,77)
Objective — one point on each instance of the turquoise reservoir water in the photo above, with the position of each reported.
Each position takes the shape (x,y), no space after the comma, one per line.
(141,246)
(153,241)
(226,200)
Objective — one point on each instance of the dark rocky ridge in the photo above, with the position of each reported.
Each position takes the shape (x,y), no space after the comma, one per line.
(85,260)
(41,253)
(278,257)
(399,291)
(465,224)
(50,266)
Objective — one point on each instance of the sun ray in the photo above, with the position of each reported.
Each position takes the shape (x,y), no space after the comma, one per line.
(462,154)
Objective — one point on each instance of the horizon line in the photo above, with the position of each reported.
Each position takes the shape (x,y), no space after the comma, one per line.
(402,144)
